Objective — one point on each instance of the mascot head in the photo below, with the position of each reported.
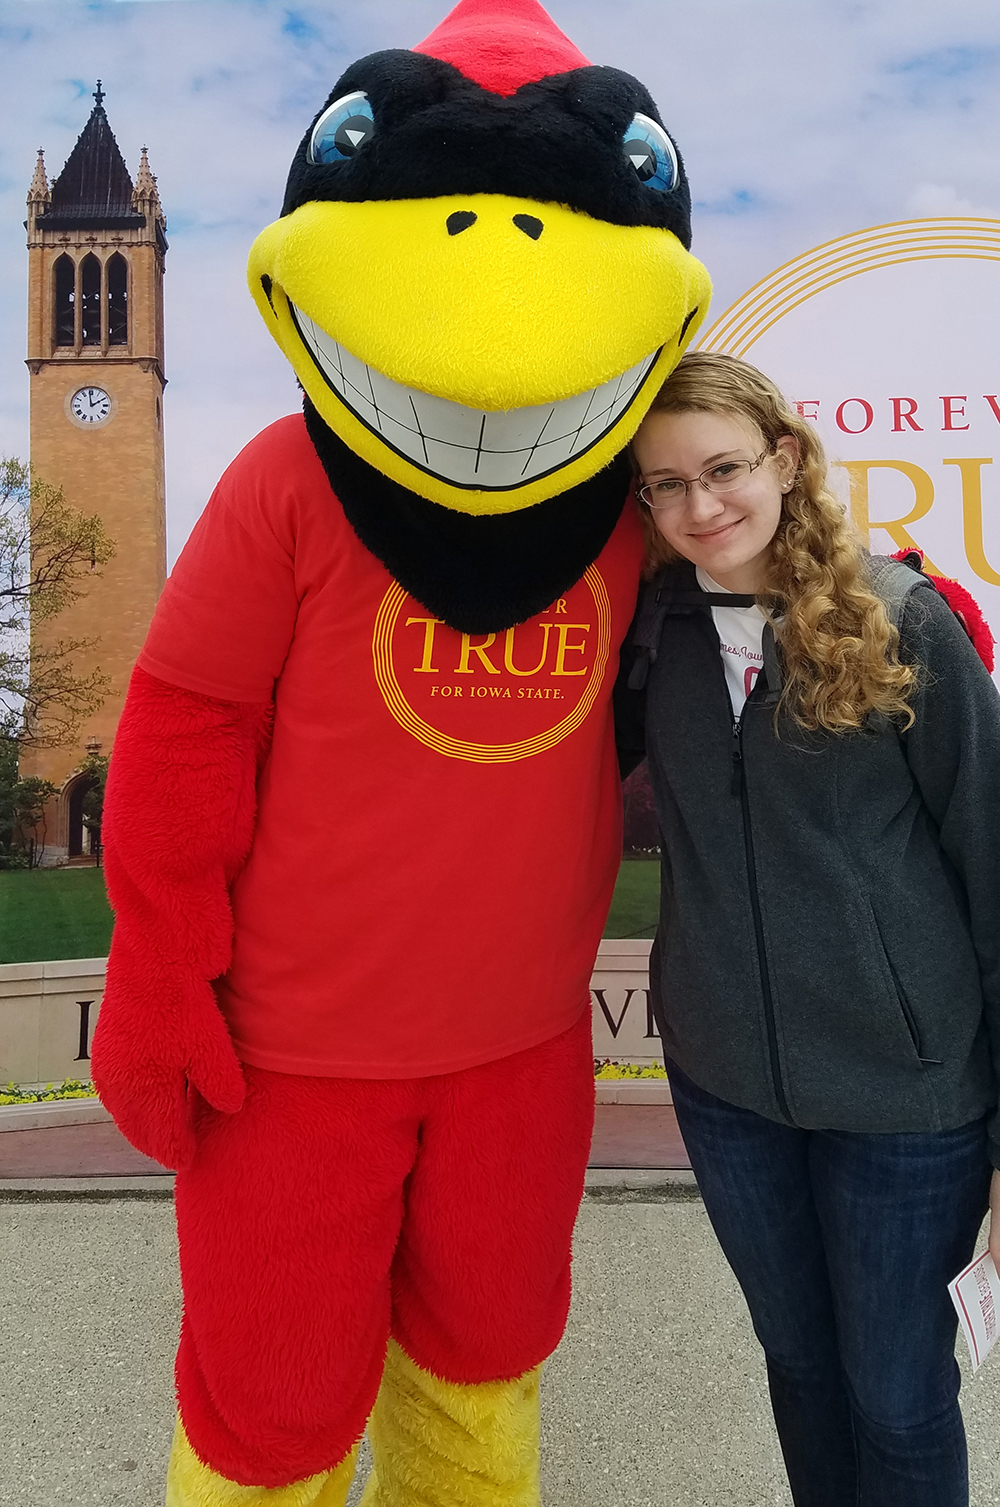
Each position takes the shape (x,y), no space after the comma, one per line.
(481,273)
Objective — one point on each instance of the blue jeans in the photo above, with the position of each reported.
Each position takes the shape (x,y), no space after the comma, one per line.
(844,1244)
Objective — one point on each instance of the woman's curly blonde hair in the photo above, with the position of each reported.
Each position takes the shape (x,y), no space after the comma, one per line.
(839,651)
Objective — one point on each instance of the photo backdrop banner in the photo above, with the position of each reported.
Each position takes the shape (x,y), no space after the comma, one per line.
(887,340)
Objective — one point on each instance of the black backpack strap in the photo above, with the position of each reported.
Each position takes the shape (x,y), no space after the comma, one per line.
(892,580)
(654,604)
(773,677)
(895,581)
(674,590)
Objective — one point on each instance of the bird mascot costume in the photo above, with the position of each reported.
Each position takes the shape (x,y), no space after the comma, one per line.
(363,820)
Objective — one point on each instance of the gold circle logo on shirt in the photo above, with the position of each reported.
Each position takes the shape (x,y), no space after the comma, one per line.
(492,698)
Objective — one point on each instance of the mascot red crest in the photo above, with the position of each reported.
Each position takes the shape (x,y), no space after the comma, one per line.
(363,819)
(502,45)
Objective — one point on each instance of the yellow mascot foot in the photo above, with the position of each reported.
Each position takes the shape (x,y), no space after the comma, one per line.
(440,1444)
(192,1484)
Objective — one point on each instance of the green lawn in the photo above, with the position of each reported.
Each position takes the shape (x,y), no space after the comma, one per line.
(63,913)
(635,906)
(53,913)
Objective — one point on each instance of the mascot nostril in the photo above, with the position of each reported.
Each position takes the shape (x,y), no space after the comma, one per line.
(460,220)
(409,599)
(529,225)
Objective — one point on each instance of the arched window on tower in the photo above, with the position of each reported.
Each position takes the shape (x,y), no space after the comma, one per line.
(90,300)
(65,300)
(117,300)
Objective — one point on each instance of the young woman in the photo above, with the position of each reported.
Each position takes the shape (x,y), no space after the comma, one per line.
(826,971)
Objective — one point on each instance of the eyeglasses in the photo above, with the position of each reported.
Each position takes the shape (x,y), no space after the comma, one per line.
(669,491)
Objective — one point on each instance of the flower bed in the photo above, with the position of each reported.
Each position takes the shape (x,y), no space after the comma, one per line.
(70,1089)
(606,1069)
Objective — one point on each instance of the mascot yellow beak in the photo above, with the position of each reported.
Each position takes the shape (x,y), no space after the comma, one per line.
(481,275)
(490,351)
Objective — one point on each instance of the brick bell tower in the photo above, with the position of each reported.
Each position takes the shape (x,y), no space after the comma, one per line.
(96,248)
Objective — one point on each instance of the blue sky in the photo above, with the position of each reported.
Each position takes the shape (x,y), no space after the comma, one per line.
(800,120)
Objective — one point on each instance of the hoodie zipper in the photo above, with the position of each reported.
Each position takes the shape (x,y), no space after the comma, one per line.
(740,789)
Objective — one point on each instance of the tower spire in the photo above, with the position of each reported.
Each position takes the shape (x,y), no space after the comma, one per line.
(146,195)
(145,180)
(38,192)
(94,180)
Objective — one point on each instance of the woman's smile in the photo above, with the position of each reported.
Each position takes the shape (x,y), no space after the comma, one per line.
(715,535)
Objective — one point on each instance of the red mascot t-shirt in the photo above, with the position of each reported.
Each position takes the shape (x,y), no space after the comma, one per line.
(439,820)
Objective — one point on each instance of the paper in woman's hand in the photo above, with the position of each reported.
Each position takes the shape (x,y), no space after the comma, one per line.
(975,1293)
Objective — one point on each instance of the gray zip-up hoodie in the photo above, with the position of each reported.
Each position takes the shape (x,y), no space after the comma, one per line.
(828,949)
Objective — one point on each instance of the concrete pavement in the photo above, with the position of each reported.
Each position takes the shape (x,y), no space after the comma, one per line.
(656,1396)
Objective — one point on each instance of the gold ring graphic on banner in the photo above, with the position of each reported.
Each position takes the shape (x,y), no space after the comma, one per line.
(759,309)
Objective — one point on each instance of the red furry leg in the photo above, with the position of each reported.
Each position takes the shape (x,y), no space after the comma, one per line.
(288,1218)
(481,1280)
(293,1264)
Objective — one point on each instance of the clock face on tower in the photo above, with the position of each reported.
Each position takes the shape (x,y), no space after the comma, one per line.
(91,405)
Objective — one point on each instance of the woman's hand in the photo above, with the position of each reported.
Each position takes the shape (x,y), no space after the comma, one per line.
(995,1219)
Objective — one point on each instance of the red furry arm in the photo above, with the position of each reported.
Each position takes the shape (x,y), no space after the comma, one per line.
(178,826)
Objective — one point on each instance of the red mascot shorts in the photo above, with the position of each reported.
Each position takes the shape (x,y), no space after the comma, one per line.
(330,1213)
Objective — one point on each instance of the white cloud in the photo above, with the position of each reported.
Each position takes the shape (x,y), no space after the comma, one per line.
(939,199)
(799,120)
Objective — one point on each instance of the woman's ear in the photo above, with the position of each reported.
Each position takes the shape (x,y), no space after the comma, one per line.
(786,456)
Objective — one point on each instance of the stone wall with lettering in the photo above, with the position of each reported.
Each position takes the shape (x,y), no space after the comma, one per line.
(48,1012)
(624,1029)
(47,1016)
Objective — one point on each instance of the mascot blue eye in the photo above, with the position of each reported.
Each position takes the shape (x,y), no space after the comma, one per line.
(650,151)
(342,130)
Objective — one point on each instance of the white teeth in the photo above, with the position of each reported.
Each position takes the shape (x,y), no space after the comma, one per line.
(470,447)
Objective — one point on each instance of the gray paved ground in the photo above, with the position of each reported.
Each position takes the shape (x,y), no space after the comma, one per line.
(656,1396)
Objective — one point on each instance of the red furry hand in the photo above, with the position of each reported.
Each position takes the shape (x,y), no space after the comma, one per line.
(160,1034)
(178,825)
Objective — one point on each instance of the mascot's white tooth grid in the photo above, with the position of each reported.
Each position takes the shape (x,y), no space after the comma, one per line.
(469,447)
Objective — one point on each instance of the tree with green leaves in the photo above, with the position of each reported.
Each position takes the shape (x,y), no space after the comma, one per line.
(95,768)
(22,810)
(49,554)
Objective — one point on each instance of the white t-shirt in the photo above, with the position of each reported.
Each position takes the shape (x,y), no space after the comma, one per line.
(741,632)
